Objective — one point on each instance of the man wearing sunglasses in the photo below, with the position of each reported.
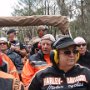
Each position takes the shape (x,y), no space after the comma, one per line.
(64,74)
(84,59)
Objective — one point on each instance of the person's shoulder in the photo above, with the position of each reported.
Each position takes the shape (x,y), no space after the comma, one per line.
(82,69)
(6,75)
(88,52)
(4,55)
(37,56)
(15,55)
(32,57)
(11,54)
(86,72)
(44,71)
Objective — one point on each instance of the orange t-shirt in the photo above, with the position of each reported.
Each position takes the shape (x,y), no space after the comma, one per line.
(47,58)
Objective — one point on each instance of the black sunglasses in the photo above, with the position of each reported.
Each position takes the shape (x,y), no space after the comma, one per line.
(4,43)
(68,52)
(79,45)
(37,49)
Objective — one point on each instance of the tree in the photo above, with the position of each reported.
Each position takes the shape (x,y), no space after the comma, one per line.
(62,7)
(24,8)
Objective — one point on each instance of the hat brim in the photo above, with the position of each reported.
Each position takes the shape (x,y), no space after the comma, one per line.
(11,31)
(67,44)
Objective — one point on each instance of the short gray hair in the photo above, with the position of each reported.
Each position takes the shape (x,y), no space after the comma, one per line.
(48,37)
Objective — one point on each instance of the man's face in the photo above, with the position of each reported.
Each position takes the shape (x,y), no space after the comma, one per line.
(11,36)
(46,46)
(41,33)
(67,56)
(82,47)
(3,46)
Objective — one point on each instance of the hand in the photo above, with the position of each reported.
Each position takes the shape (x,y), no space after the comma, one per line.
(12,47)
(17,49)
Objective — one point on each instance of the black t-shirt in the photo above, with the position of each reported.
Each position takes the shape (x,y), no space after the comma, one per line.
(84,60)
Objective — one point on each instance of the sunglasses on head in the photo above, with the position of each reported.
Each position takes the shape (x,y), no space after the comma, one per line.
(4,43)
(68,52)
(79,45)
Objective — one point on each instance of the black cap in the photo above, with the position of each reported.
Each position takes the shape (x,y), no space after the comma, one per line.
(63,42)
(11,31)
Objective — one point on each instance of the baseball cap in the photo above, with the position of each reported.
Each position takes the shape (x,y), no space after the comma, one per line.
(11,31)
(64,42)
(79,40)
(48,37)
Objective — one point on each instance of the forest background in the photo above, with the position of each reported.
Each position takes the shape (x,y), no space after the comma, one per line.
(77,11)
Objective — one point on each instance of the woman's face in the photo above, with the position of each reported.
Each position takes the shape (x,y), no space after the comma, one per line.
(67,56)
(82,48)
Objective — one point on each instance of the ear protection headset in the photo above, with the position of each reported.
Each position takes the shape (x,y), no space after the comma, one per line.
(54,56)
(8,44)
(78,55)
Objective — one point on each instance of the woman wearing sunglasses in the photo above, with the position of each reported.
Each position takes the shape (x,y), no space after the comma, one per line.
(84,59)
(64,74)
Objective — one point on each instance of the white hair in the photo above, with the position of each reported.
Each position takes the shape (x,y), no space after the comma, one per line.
(48,37)
(79,40)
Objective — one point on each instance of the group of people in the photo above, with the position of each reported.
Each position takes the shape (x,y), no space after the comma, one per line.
(61,64)
(11,52)
(65,73)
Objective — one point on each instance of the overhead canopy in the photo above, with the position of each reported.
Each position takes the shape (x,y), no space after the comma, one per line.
(51,20)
